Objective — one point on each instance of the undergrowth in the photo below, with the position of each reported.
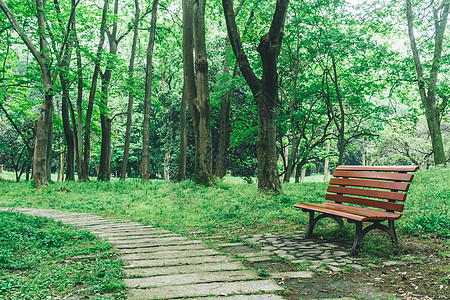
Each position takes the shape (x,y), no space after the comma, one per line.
(226,208)
(44,259)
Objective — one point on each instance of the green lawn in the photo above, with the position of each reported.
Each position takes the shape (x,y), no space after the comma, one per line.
(230,207)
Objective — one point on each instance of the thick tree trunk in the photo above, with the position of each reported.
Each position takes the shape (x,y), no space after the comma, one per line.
(126,151)
(148,95)
(428,93)
(264,91)
(43,142)
(201,105)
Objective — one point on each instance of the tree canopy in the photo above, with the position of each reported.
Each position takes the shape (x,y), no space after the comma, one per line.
(176,89)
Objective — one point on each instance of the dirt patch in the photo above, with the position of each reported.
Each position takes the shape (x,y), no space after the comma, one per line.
(419,270)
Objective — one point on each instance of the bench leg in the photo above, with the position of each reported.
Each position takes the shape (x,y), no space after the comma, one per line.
(361,233)
(392,232)
(313,220)
(312,223)
(358,238)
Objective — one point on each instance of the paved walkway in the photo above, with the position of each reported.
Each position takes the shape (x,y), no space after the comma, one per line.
(160,264)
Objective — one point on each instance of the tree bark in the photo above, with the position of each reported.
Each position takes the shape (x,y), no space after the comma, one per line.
(428,93)
(148,95)
(104,171)
(264,91)
(87,127)
(181,173)
(126,151)
(200,107)
(326,167)
(82,172)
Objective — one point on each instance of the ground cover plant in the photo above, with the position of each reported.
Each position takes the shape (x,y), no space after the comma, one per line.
(232,208)
(44,259)
(224,208)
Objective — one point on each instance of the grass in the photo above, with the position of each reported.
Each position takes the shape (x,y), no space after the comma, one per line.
(230,207)
(44,259)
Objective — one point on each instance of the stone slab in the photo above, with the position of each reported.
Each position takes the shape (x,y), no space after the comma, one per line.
(205,289)
(184,269)
(177,261)
(191,278)
(246,297)
(133,245)
(169,254)
(298,274)
(259,258)
(150,240)
(151,249)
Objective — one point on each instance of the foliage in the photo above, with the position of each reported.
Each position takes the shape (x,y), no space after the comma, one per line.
(41,258)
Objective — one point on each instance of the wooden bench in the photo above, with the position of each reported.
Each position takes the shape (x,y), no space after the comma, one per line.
(363,194)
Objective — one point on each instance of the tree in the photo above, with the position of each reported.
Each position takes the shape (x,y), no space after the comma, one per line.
(126,151)
(148,95)
(43,125)
(197,94)
(264,90)
(428,85)
(84,174)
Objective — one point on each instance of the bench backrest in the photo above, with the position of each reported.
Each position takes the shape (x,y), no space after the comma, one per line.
(371,186)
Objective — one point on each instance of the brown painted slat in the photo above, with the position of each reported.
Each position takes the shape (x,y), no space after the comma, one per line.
(369,213)
(321,208)
(366,202)
(367,193)
(374,175)
(388,185)
(379,168)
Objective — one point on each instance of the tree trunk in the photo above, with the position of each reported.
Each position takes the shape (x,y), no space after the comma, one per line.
(326,167)
(181,173)
(264,91)
(148,95)
(65,113)
(224,126)
(87,127)
(428,94)
(82,172)
(126,151)
(104,172)
(201,106)
(61,165)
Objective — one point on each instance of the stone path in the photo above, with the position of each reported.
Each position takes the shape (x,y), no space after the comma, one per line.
(160,264)
(292,247)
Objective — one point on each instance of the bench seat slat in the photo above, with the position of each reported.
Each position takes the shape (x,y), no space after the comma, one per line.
(379,168)
(374,175)
(323,209)
(349,212)
(371,214)
(366,202)
(367,193)
(388,185)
